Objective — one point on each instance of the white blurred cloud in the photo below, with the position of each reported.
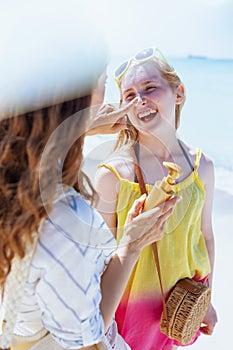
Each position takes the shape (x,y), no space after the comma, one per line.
(181,27)
(199,27)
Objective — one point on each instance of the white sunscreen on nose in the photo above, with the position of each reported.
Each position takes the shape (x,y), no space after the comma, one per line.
(139,98)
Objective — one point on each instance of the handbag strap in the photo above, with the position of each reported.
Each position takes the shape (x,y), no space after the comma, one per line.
(143,190)
(137,168)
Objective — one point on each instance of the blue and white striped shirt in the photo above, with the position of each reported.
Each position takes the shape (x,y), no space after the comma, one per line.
(63,289)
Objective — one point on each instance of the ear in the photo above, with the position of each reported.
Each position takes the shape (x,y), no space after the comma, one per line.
(180,94)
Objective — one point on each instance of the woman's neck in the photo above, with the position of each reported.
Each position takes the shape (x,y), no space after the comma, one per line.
(162,145)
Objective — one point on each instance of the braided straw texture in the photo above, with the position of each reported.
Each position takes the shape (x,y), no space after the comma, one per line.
(186,308)
(48,343)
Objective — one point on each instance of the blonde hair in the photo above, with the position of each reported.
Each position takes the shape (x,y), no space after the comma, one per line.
(130,135)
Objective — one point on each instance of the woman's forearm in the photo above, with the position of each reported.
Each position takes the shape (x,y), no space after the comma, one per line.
(114,281)
(140,231)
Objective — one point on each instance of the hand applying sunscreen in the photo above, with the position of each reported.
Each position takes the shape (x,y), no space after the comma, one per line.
(163,190)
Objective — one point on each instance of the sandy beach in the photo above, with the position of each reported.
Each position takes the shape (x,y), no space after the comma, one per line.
(223,279)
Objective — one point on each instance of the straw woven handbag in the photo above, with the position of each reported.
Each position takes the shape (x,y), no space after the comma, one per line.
(185,310)
(189,300)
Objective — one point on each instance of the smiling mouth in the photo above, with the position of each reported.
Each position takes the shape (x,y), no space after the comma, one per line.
(147,115)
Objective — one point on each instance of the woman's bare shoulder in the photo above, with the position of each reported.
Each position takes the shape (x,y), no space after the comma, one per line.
(193,151)
(205,166)
(206,170)
(108,179)
(118,166)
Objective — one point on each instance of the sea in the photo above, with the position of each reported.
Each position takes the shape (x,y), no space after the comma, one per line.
(206,118)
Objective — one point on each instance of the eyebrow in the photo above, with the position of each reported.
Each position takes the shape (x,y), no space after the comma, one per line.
(125,91)
(154,80)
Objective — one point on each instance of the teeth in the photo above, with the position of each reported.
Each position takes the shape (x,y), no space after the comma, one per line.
(146,113)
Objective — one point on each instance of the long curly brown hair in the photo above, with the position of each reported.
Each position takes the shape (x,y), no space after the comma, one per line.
(24,140)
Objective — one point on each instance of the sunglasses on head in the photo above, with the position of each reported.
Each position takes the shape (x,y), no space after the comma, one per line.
(141,56)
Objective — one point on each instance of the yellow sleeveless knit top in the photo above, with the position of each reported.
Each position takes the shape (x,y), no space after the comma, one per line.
(182,253)
(182,247)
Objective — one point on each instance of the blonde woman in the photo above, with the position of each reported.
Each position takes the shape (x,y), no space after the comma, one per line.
(187,246)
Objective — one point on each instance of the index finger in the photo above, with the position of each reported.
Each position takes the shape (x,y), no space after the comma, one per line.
(123,110)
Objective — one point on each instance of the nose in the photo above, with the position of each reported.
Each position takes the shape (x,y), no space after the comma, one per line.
(140,100)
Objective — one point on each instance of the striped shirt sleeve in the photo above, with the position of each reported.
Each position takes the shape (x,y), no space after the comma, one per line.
(73,250)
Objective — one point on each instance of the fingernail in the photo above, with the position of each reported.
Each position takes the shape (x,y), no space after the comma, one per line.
(136,99)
